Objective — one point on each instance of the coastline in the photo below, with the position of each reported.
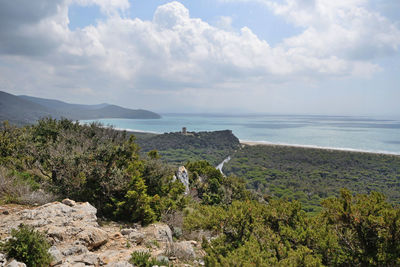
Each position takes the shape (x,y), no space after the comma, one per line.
(266,143)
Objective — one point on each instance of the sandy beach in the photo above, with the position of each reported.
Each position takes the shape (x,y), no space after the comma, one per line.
(265,143)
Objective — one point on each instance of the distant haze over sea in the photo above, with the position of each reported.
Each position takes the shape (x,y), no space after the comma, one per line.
(340,132)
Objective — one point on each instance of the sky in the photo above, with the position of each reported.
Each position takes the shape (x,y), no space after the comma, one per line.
(206,56)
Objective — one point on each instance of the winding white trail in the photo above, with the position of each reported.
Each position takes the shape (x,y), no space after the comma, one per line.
(221,165)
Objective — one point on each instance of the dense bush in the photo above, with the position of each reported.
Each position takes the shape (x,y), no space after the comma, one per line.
(367,228)
(95,164)
(28,246)
(214,188)
(361,231)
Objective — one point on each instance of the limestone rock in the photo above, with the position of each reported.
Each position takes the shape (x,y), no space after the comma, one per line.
(78,240)
(116,255)
(68,202)
(183,176)
(77,249)
(184,250)
(2,257)
(15,263)
(93,237)
(119,264)
(87,259)
(56,255)
(127,231)
(159,231)
(136,237)
(56,233)
(60,221)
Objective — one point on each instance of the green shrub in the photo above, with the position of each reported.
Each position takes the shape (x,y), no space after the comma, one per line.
(154,261)
(142,259)
(136,204)
(28,246)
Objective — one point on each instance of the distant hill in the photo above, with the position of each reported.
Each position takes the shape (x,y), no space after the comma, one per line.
(20,111)
(23,109)
(60,105)
(82,112)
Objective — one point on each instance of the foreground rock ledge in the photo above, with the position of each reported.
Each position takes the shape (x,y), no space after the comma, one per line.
(78,240)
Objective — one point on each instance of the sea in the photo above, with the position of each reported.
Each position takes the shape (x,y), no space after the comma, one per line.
(354,133)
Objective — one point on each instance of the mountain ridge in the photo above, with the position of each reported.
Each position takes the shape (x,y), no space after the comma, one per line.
(23,109)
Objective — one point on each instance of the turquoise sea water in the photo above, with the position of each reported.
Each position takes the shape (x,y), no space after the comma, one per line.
(340,132)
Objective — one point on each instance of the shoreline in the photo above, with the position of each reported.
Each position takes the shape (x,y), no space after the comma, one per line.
(266,143)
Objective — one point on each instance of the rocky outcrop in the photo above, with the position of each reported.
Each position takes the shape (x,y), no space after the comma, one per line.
(183,176)
(3,259)
(93,237)
(60,222)
(78,240)
(15,263)
(11,263)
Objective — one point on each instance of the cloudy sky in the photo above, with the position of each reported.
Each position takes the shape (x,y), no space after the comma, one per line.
(271,56)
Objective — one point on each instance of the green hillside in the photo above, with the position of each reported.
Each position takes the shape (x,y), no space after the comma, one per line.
(178,148)
(22,110)
(310,175)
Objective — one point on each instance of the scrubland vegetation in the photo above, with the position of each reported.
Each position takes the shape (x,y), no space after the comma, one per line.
(240,227)
(88,163)
(311,175)
(178,148)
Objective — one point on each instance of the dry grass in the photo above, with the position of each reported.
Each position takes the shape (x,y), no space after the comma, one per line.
(15,190)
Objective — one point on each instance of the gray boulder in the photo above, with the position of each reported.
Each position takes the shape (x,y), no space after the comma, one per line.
(77,249)
(15,263)
(161,232)
(68,202)
(184,250)
(87,259)
(136,237)
(127,231)
(56,255)
(2,259)
(119,264)
(183,176)
(93,237)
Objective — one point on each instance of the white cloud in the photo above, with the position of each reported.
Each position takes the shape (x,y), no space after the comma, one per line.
(108,7)
(347,29)
(225,23)
(180,51)
(176,52)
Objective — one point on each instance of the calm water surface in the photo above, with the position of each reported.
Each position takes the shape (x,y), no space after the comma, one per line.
(341,132)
